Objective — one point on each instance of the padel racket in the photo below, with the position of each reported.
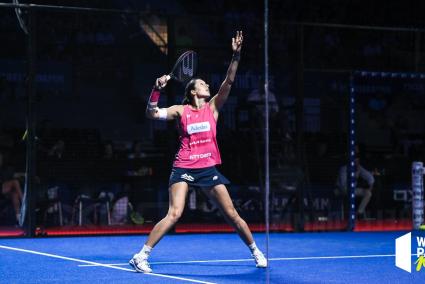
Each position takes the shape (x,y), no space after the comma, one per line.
(185,67)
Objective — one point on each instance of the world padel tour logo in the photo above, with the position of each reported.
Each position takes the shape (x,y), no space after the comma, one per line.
(407,246)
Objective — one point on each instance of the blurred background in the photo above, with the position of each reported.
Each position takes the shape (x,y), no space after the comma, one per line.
(100,167)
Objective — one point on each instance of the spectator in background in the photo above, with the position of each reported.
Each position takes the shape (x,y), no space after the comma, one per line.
(257,97)
(10,187)
(367,179)
(136,151)
(57,150)
(256,102)
(108,151)
(6,140)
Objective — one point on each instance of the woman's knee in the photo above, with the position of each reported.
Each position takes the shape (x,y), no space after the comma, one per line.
(174,214)
(10,186)
(232,214)
(5,187)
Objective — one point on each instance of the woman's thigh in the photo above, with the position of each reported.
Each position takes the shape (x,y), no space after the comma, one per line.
(177,195)
(221,197)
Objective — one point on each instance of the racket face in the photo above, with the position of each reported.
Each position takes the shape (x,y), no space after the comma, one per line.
(185,67)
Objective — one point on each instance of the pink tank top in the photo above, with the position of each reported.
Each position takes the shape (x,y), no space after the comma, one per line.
(198,143)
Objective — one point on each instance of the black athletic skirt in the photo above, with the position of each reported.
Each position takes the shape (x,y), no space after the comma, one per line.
(203,178)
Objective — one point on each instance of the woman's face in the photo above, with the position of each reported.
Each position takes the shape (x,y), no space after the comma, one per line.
(202,89)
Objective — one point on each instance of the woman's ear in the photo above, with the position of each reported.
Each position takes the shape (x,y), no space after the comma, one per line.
(193,92)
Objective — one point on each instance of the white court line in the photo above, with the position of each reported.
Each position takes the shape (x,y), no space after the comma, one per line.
(92,263)
(334,257)
(250,259)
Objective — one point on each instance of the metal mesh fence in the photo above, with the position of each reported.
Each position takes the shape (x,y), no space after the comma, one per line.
(101,166)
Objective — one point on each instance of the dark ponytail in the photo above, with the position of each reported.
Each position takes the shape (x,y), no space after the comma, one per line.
(188,98)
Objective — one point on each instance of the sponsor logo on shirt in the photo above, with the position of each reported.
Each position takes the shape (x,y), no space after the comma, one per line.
(198,127)
(200,156)
(199,142)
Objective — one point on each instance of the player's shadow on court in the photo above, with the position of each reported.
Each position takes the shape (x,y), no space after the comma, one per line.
(217,272)
(211,265)
(254,274)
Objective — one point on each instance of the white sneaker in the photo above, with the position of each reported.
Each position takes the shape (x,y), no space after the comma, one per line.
(260,260)
(140,263)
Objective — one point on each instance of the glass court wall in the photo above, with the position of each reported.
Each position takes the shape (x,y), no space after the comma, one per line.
(100,167)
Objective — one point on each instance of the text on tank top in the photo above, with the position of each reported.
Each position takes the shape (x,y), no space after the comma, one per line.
(197,135)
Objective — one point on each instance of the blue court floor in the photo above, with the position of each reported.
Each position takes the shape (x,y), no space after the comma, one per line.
(207,258)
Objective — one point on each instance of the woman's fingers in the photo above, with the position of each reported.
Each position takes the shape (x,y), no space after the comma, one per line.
(161,81)
(239,38)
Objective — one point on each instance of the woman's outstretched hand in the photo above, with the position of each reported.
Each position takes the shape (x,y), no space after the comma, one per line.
(237,42)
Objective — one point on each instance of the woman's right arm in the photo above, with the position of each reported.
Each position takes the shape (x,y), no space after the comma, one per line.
(152,109)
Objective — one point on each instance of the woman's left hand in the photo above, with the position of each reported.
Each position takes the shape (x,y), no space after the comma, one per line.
(237,42)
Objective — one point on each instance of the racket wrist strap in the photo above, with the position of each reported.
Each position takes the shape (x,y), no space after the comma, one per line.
(154,98)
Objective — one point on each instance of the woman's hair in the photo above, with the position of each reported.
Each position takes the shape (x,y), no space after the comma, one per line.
(188,98)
